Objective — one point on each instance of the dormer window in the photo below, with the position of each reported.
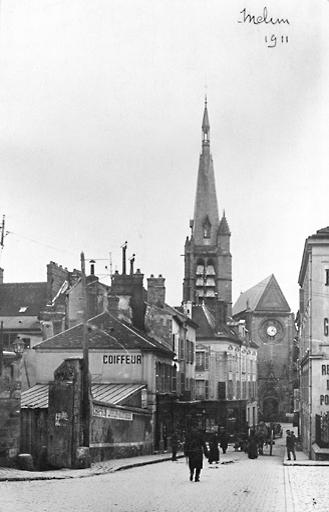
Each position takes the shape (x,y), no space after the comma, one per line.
(206,228)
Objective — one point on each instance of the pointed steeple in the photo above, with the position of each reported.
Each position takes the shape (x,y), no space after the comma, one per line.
(223,226)
(206,220)
(205,124)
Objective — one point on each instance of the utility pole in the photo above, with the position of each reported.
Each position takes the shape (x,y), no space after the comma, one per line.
(1,348)
(2,232)
(85,369)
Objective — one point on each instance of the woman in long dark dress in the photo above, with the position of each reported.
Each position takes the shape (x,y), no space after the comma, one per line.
(252,446)
(194,450)
(213,455)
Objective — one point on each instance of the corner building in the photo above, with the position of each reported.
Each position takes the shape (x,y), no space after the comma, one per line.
(313,335)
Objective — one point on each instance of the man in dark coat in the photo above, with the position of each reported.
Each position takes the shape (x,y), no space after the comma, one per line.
(195,447)
(290,444)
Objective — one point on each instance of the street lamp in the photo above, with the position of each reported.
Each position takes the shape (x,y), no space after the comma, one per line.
(18,346)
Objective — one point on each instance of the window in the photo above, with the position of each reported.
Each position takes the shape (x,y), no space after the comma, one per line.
(23,309)
(327,276)
(201,361)
(201,389)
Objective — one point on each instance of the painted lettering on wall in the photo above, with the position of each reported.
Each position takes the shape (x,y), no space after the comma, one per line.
(324,398)
(122,359)
(115,414)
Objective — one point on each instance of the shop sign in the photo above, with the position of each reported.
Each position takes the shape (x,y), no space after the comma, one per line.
(122,359)
(324,398)
(115,414)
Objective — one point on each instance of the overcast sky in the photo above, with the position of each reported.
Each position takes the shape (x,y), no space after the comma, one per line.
(101,106)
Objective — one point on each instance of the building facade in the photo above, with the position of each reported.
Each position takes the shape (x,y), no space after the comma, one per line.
(270,324)
(314,345)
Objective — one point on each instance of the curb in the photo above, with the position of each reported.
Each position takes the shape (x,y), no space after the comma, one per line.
(97,472)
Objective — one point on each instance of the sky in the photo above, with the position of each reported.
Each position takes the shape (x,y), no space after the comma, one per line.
(101,107)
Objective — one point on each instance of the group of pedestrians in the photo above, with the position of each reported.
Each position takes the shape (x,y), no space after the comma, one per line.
(195,448)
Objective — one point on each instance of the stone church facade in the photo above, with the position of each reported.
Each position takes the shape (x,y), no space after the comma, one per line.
(270,323)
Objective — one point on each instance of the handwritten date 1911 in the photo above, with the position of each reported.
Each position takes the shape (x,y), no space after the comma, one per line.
(273,40)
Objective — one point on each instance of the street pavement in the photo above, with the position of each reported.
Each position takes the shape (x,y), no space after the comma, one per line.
(236,484)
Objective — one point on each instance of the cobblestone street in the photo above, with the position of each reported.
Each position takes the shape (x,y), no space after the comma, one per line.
(236,484)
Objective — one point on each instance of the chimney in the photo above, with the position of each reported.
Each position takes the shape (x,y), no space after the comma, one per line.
(113,304)
(124,250)
(92,267)
(132,259)
(1,275)
(156,291)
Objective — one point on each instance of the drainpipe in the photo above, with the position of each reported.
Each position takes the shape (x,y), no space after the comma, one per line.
(310,361)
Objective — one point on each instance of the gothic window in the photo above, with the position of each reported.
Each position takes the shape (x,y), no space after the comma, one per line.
(206,228)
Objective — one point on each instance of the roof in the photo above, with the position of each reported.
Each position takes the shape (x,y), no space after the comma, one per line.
(15,297)
(36,397)
(264,296)
(250,298)
(207,325)
(114,393)
(105,331)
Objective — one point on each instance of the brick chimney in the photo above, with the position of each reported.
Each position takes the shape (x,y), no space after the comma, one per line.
(156,291)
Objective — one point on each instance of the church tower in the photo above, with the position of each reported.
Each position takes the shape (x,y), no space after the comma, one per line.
(208,261)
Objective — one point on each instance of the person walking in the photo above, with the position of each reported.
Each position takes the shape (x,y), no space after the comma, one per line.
(213,455)
(174,445)
(252,446)
(195,448)
(223,441)
(290,444)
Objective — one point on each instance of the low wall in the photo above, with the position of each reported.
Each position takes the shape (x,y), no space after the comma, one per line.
(118,432)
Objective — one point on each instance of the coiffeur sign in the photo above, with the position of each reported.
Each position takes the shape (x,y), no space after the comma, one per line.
(122,359)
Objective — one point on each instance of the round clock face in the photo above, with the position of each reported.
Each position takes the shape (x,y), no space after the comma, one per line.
(271,331)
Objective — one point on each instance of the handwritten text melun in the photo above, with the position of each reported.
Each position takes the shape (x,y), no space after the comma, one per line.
(265,18)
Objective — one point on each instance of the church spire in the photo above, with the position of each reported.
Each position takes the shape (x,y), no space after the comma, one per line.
(205,123)
(206,219)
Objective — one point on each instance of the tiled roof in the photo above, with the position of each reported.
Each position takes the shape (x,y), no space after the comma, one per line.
(249,299)
(105,331)
(15,297)
(114,393)
(207,325)
(37,396)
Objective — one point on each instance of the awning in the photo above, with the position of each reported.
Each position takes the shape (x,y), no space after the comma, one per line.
(36,397)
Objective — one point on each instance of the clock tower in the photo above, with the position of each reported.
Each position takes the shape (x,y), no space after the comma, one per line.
(208,261)
(271,326)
